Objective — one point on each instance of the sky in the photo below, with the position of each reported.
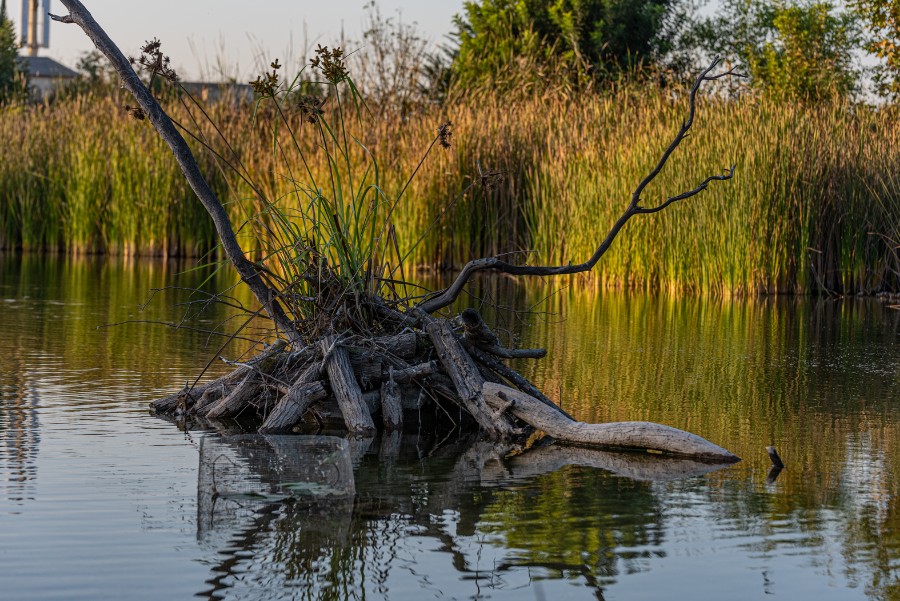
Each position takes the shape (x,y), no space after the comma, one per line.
(200,35)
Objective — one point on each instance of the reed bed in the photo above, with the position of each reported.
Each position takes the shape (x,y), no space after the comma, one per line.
(814,205)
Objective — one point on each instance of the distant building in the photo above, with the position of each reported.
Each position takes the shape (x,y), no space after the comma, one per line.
(45,75)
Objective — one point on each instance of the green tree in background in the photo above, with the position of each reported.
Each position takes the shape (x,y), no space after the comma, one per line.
(796,49)
(881,19)
(11,80)
(584,37)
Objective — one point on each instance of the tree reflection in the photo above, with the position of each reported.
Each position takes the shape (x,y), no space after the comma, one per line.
(551,511)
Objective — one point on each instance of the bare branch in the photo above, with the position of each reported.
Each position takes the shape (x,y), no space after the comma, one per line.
(700,188)
(248,271)
(451,293)
(63,19)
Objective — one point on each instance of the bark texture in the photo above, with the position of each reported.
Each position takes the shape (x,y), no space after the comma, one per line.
(618,435)
(345,388)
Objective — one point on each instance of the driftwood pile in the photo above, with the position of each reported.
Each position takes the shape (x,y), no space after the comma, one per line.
(434,369)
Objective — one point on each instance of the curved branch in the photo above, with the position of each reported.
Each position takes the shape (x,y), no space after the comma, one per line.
(450,294)
(248,271)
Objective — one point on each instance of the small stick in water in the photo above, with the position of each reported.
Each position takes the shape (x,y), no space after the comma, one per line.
(773,455)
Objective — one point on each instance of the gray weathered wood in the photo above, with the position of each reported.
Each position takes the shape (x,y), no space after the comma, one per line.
(618,435)
(414,372)
(193,395)
(237,400)
(212,395)
(403,345)
(391,409)
(345,388)
(196,395)
(291,407)
(367,369)
(515,378)
(467,380)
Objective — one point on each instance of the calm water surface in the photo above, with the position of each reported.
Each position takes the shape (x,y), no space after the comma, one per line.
(99,500)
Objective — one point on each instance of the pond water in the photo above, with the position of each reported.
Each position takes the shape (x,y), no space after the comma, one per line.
(100,500)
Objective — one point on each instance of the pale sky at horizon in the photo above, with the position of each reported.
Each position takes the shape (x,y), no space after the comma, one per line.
(206,30)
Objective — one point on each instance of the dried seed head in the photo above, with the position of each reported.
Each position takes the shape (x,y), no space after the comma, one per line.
(490,179)
(267,83)
(155,62)
(444,134)
(311,108)
(330,63)
(135,111)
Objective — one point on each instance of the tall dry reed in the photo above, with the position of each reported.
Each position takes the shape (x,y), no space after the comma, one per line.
(814,205)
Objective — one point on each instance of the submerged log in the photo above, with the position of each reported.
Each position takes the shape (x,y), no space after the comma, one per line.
(636,466)
(618,435)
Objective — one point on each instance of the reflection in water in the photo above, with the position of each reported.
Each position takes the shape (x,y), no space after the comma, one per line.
(19,427)
(586,524)
(112,495)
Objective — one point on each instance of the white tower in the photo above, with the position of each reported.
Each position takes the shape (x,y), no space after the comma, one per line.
(31,18)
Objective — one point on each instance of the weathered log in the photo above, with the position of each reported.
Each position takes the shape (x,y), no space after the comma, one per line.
(517,379)
(291,407)
(467,380)
(345,388)
(391,409)
(237,399)
(618,435)
(211,396)
(404,376)
(476,331)
(189,396)
(403,345)
(368,361)
(367,369)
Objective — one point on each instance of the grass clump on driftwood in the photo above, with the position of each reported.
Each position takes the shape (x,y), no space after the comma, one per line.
(346,330)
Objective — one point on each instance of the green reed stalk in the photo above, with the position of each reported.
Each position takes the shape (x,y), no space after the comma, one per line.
(815,201)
